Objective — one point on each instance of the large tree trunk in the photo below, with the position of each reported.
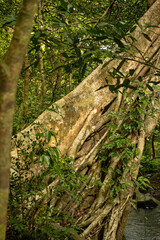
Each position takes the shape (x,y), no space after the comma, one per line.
(83,125)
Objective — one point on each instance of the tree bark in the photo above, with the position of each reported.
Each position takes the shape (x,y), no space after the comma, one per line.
(10,69)
(83,125)
(150,3)
(26,86)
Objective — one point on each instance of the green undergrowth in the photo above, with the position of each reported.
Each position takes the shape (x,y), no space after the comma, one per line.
(31,212)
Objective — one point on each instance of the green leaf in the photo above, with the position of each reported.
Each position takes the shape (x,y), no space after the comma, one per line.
(147,37)
(106,63)
(64,4)
(39,135)
(98,183)
(48,136)
(117,189)
(154,26)
(103,158)
(132,29)
(45,159)
(69,40)
(131,72)
(139,25)
(157,74)
(51,162)
(124,186)
(126,82)
(119,43)
(70,7)
(111,169)
(54,149)
(55,40)
(132,38)
(37,34)
(58,170)
(149,87)
(67,68)
(140,79)
(54,135)
(121,64)
(131,87)
(113,193)
(99,38)
(155,83)
(102,24)
(79,21)
(41,160)
(105,170)
(119,171)
(106,80)
(111,88)
(89,53)
(97,60)
(102,87)
(9,21)
(65,55)
(83,69)
(111,182)
(137,151)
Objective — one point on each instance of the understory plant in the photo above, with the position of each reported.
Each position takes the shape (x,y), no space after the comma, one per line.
(30,211)
(139,102)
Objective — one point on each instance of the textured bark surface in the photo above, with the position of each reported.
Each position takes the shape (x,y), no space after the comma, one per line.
(26,86)
(10,69)
(81,130)
(150,3)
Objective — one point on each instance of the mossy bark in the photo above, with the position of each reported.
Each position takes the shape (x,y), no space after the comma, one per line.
(26,86)
(10,69)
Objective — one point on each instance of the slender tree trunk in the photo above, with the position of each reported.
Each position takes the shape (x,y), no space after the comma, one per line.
(26,86)
(89,119)
(10,69)
(43,84)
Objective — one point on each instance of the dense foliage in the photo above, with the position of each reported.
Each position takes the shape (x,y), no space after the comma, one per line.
(29,192)
(69,39)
